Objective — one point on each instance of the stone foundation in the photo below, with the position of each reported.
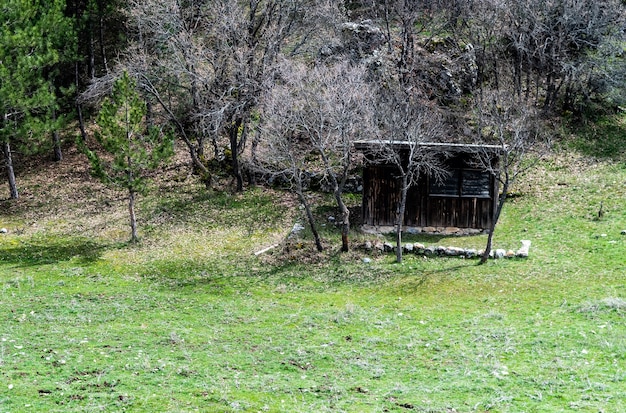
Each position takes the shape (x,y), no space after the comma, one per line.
(371,229)
(441,251)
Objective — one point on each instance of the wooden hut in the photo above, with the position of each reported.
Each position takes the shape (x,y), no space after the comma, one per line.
(464,198)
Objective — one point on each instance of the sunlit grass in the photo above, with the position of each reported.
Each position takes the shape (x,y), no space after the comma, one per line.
(192,320)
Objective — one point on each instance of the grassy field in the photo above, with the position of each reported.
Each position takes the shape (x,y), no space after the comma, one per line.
(191,320)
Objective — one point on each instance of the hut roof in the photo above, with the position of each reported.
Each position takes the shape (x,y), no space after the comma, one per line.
(454,147)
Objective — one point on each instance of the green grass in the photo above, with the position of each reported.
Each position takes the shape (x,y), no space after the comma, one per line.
(191,320)
(603,138)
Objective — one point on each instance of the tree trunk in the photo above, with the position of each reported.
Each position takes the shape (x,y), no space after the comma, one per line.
(254,158)
(92,52)
(198,165)
(131,196)
(8,163)
(58,153)
(103,55)
(494,221)
(345,220)
(56,140)
(234,148)
(309,214)
(81,123)
(387,27)
(133,219)
(400,217)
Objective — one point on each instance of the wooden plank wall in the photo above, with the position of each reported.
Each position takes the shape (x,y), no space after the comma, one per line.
(381,197)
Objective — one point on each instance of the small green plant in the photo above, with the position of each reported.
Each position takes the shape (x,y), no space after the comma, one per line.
(133,147)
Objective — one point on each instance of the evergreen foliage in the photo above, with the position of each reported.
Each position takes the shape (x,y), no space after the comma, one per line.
(35,37)
(133,149)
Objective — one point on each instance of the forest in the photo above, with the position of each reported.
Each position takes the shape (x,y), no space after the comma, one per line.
(276,90)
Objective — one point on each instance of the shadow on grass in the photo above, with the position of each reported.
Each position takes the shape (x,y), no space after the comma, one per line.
(51,250)
(423,279)
(221,276)
(251,208)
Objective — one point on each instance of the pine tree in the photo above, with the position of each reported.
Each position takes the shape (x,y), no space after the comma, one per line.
(134,149)
(32,34)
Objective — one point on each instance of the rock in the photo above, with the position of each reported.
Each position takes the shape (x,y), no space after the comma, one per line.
(450,230)
(296,230)
(500,253)
(331,219)
(523,251)
(4,231)
(413,230)
(429,251)
(470,253)
(408,247)
(388,247)
(368,246)
(623,232)
(454,251)
(440,250)
(368,229)
(509,254)
(367,260)
(430,229)
(419,248)
(379,246)
(365,26)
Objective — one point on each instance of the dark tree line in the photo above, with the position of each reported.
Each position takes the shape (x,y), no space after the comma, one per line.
(49,52)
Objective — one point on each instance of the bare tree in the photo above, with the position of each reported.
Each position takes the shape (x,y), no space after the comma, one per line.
(283,150)
(206,63)
(506,121)
(545,49)
(332,107)
(169,59)
(407,122)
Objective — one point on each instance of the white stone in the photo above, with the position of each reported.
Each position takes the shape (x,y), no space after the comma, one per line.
(454,251)
(523,251)
(4,231)
(470,253)
(500,253)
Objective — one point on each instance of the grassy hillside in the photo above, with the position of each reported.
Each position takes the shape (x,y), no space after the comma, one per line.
(192,320)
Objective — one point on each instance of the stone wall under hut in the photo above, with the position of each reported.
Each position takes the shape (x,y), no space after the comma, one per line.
(381,247)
